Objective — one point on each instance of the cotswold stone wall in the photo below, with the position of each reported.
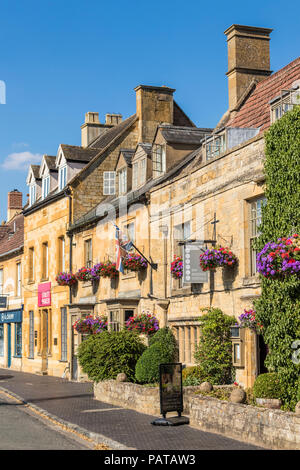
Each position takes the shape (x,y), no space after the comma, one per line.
(274,429)
(137,397)
(263,427)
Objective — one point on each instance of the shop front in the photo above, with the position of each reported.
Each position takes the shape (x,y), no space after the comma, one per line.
(11,339)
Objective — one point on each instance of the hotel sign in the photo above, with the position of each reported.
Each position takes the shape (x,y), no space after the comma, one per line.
(44,294)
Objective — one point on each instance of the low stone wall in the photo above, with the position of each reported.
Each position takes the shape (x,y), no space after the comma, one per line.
(273,429)
(136,397)
(263,427)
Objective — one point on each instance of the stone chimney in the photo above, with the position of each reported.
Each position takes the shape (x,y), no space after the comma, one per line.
(248,59)
(92,128)
(113,119)
(154,105)
(14,204)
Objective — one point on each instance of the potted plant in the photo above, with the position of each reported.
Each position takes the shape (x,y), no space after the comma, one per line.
(66,279)
(177,267)
(105,269)
(134,262)
(216,258)
(146,324)
(280,259)
(90,325)
(83,274)
(248,320)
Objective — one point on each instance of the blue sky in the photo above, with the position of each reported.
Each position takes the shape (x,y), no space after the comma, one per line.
(60,59)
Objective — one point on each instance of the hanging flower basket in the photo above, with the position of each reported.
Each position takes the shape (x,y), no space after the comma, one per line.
(217,258)
(90,325)
(105,269)
(143,323)
(66,279)
(83,274)
(280,259)
(134,262)
(248,320)
(177,267)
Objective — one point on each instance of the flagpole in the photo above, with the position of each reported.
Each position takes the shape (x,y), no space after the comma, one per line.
(153,265)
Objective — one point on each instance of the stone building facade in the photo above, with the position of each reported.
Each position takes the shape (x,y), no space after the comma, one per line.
(11,280)
(163,182)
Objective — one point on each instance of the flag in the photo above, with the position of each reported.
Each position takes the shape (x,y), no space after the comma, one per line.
(123,245)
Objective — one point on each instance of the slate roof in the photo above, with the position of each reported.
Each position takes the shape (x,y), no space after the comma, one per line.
(50,161)
(78,154)
(184,135)
(36,171)
(11,241)
(104,139)
(127,154)
(255,112)
(147,148)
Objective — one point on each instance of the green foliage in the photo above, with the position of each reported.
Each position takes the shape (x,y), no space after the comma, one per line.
(214,353)
(162,349)
(268,386)
(278,308)
(105,355)
(192,376)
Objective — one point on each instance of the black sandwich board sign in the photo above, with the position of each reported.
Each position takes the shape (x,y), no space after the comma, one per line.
(171,395)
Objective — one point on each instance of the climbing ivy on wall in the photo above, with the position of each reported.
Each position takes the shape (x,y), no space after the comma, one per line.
(278,308)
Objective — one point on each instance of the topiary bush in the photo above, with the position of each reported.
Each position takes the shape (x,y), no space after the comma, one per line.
(268,386)
(162,349)
(105,355)
(214,353)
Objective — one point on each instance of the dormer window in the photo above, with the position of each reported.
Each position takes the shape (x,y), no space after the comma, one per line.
(32,194)
(139,173)
(215,146)
(159,160)
(45,186)
(122,181)
(62,177)
(284,103)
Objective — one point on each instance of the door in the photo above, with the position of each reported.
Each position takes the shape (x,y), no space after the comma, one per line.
(44,352)
(74,346)
(8,345)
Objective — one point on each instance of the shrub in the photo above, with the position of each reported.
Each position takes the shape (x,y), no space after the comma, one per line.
(268,386)
(192,376)
(214,353)
(162,349)
(105,355)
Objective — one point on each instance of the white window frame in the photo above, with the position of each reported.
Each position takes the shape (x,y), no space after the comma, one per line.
(1,281)
(19,280)
(32,194)
(158,160)
(142,171)
(62,177)
(45,186)
(109,183)
(123,181)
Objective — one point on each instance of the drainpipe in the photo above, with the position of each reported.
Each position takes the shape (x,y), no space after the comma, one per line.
(68,193)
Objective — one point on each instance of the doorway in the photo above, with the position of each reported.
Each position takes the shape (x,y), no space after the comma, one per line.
(44,349)
(262,354)
(8,345)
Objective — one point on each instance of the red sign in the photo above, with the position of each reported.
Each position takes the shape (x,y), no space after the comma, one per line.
(44,294)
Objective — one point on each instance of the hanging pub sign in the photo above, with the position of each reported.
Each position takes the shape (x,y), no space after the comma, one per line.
(192,272)
(3,302)
(171,394)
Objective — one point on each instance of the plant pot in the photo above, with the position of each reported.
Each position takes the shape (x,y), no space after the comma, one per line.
(272,403)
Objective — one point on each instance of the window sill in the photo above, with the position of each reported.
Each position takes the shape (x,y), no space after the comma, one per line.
(129,275)
(45,279)
(250,280)
(32,281)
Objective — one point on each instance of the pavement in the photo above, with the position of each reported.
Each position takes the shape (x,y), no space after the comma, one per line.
(72,406)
